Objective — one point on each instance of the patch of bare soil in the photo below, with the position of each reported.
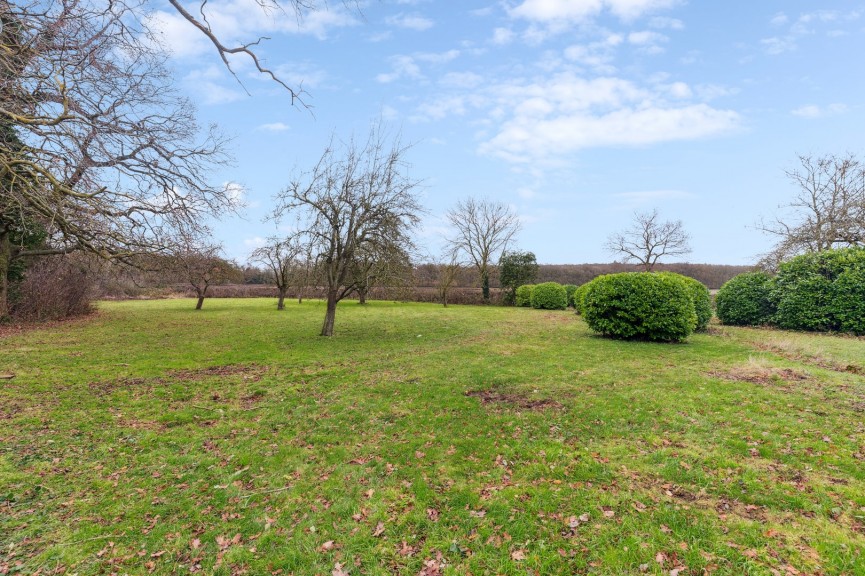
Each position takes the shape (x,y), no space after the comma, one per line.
(249,372)
(758,373)
(818,361)
(512,399)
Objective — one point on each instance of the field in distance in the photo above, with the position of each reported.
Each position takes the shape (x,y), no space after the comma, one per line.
(154,439)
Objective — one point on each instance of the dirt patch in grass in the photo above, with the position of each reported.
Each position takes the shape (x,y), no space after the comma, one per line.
(251,372)
(498,397)
(758,372)
(791,353)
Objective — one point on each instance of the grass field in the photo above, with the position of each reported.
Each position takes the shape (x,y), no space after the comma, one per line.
(424,440)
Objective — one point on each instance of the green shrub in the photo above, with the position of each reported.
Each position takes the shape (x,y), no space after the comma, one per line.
(744,300)
(549,296)
(640,306)
(579,297)
(702,300)
(848,306)
(808,295)
(523,296)
(569,291)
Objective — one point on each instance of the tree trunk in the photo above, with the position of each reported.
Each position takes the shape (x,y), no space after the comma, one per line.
(330,315)
(485,286)
(5,263)
(201,294)
(361,296)
(280,304)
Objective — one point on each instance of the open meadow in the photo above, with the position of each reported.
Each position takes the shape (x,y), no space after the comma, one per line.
(154,439)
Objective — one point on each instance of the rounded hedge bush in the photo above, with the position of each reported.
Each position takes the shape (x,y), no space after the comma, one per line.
(700,296)
(569,290)
(813,291)
(523,295)
(579,297)
(744,300)
(549,296)
(640,306)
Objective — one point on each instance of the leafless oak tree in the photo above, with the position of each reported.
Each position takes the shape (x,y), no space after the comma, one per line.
(283,257)
(648,240)
(202,266)
(357,200)
(447,271)
(827,211)
(98,150)
(482,231)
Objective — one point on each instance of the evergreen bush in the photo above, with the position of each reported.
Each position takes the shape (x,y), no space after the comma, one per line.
(744,300)
(549,296)
(640,306)
(523,296)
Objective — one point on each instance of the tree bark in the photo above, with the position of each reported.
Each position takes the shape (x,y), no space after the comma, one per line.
(361,296)
(280,304)
(485,286)
(5,264)
(330,314)
(201,294)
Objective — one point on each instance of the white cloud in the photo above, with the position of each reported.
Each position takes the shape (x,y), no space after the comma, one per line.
(462,80)
(502,36)
(664,22)
(548,11)
(808,24)
(410,21)
(812,111)
(545,120)
(255,242)
(404,66)
(646,37)
(236,193)
(274,127)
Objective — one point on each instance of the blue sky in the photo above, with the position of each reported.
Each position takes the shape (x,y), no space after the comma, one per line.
(575,112)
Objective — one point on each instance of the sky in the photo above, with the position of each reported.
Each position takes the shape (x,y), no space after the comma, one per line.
(576,113)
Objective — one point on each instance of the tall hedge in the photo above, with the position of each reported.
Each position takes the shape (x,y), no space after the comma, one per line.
(641,306)
(818,291)
(549,296)
(523,295)
(744,300)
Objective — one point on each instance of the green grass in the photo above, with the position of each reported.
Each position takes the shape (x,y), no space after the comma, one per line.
(156,439)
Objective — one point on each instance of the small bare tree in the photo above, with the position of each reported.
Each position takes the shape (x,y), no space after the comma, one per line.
(447,271)
(282,257)
(482,231)
(648,240)
(358,199)
(827,211)
(202,266)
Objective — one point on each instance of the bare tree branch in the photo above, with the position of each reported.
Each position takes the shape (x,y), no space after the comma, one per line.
(648,240)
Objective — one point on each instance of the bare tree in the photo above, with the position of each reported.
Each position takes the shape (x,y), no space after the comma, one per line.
(389,265)
(282,256)
(482,231)
(204,267)
(827,211)
(358,199)
(648,240)
(447,271)
(98,150)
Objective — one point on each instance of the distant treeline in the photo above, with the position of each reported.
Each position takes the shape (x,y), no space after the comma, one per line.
(712,275)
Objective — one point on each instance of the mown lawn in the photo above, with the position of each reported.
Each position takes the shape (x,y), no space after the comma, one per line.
(423,440)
